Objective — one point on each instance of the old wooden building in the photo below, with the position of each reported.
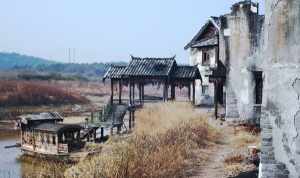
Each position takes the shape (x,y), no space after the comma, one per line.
(204,51)
(224,50)
(46,134)
(142,71)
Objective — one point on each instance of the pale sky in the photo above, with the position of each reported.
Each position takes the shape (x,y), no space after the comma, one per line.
(104,30)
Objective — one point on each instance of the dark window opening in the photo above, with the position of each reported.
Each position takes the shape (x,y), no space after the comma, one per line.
(53,140)
(204,89)
(205,58)
(258,78)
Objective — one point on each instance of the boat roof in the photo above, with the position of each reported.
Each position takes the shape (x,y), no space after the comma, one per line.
(57,128)
(45,116)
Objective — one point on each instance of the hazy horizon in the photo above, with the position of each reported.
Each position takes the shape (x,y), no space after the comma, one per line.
(107,31)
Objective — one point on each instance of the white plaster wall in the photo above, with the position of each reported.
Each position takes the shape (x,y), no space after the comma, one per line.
(281,91)
(240,84)
(196,59)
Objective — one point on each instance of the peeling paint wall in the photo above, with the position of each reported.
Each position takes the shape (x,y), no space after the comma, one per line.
(238,44)
(281,119)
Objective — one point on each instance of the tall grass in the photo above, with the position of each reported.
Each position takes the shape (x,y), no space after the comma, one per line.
(161,145)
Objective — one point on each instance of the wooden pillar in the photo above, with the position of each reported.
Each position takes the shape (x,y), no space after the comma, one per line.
(130,93)
(143,93)
(216,99)
(165,91)
(189,92)
(133,93)
(111,130)
(102,132)
(119,129)
(194,92)
(120,91)
(130,118)
(173,91)
(133,117)
(140,92)
(112,91)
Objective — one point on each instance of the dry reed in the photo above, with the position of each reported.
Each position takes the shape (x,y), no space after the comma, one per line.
(160,146)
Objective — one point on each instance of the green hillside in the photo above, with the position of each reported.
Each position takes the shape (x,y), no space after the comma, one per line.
(39,67)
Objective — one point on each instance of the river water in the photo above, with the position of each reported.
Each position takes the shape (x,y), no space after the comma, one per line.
(9,165)
(13,167)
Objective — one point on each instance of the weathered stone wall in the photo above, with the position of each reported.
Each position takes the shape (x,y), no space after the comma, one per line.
(281,119)
(238,43)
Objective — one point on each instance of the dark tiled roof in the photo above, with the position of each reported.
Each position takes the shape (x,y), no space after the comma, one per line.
(46,116)
(151,68)
(186,72)
(56,128)
(205,43)
(216,21)
(114,72)
(154,67)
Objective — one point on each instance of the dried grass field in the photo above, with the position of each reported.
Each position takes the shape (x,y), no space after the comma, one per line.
(163,144)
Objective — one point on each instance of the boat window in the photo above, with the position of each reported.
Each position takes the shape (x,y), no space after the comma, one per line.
(48,139)
(42,138)
(54,140)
